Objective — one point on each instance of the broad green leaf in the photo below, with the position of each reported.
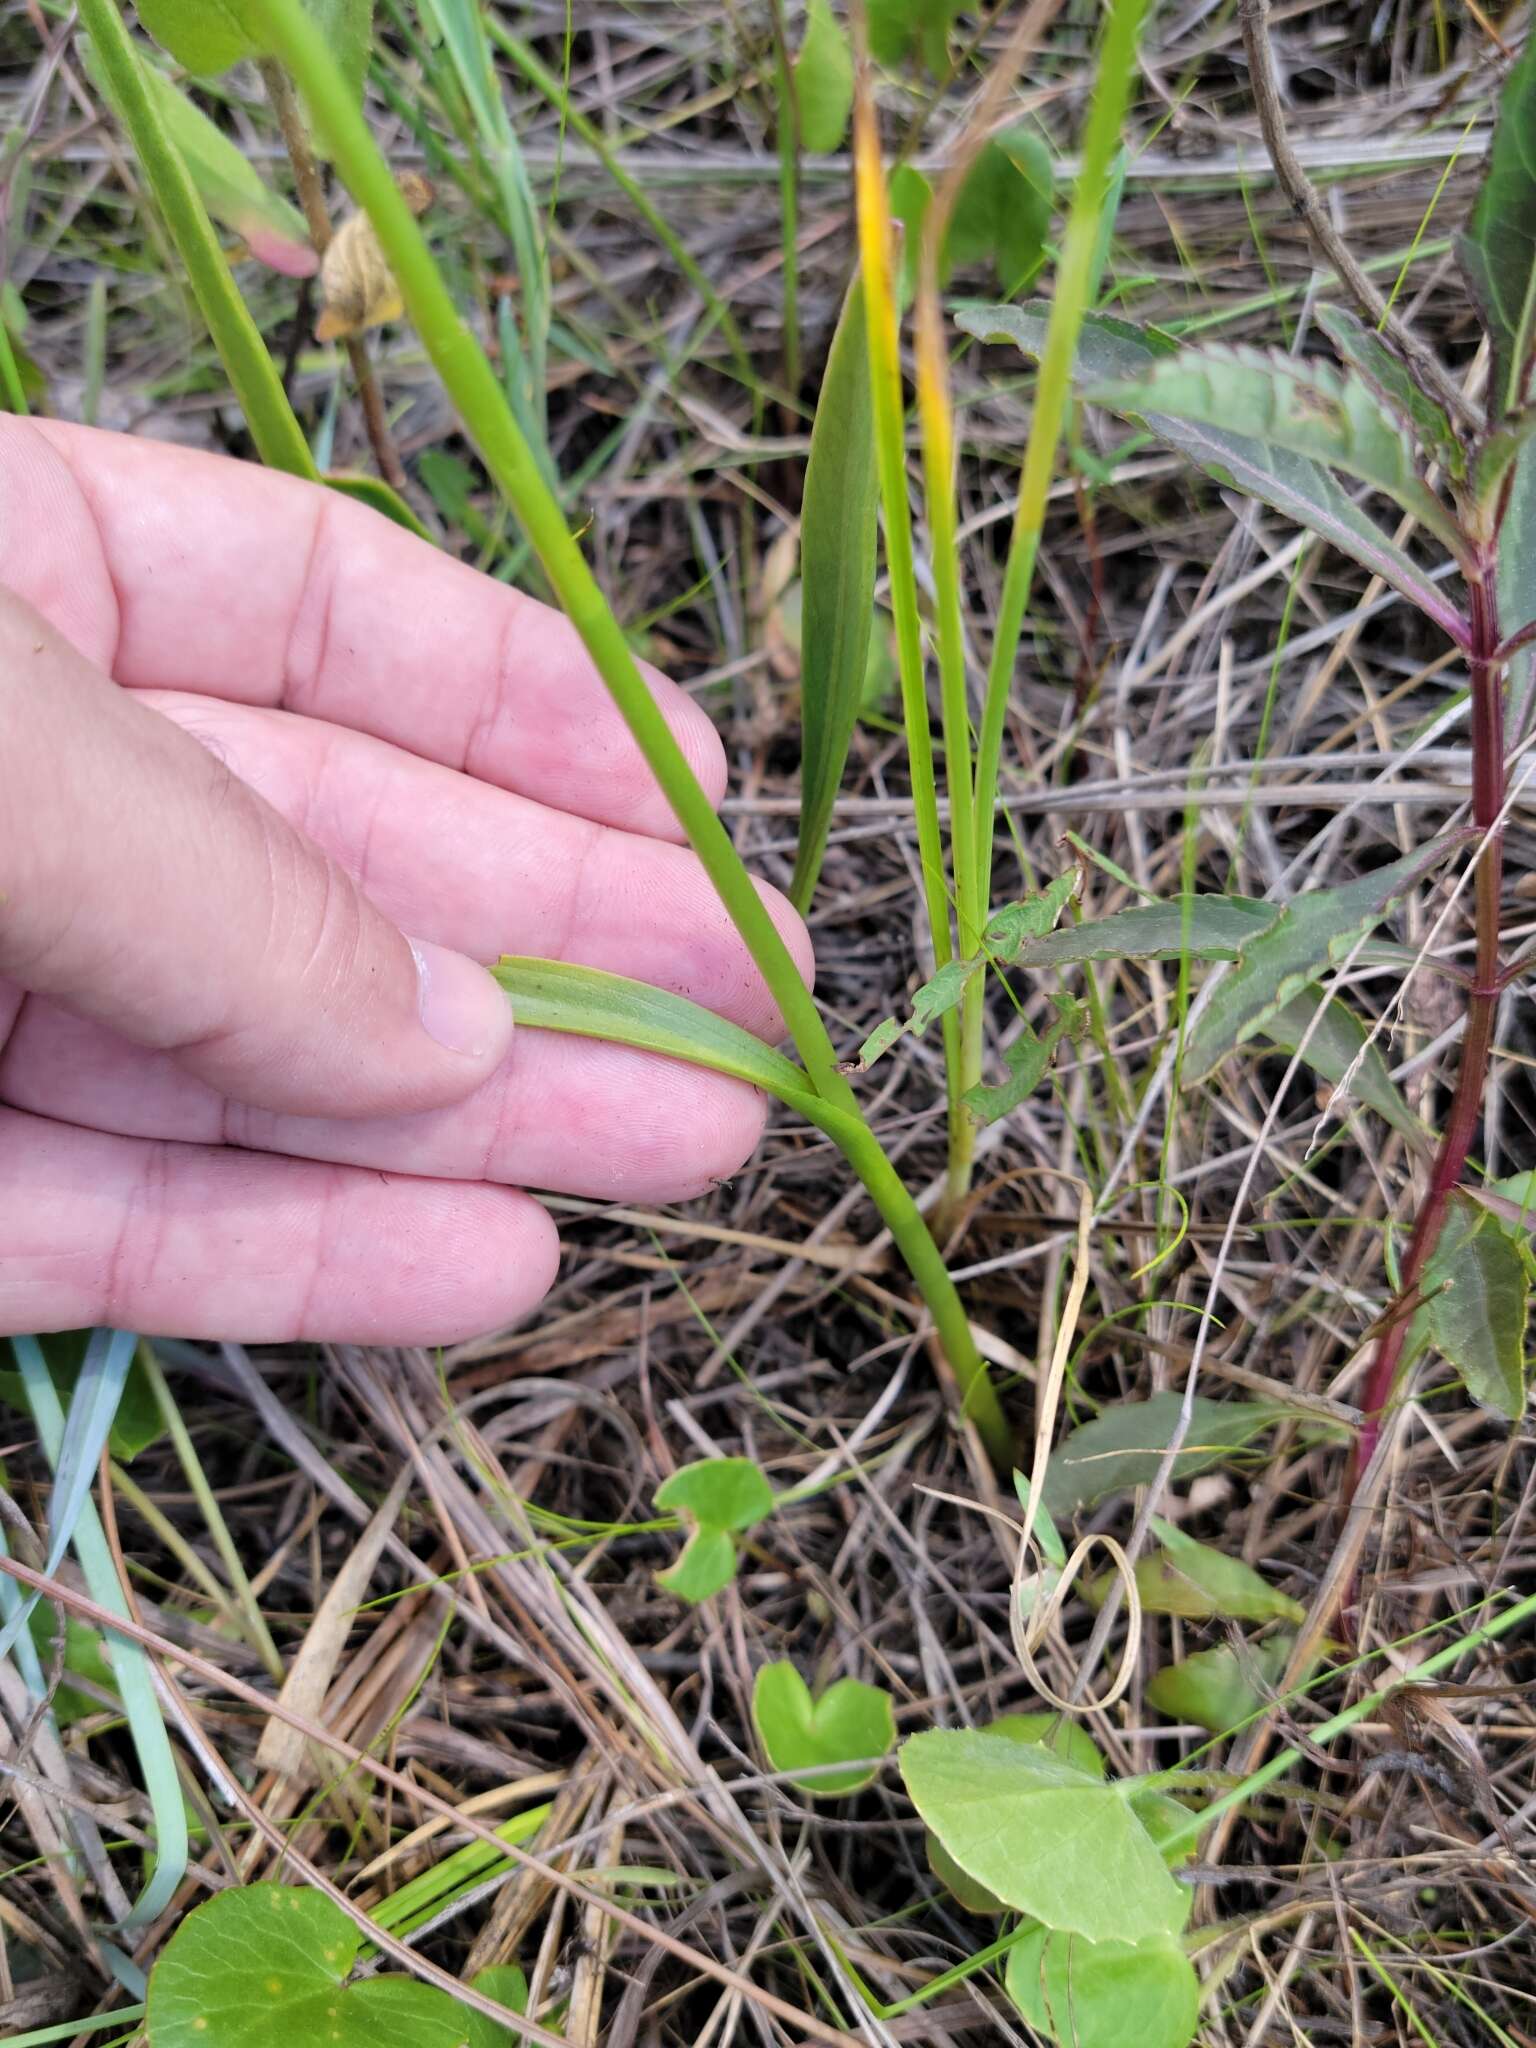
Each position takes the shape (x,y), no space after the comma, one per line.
(1002,215)
(848,1724)
(1316,930)
(715,1497)
(1307,408)
(1295,485)
(823,81)
(1191,1579)
(1217,1689)
(1105,1994)
(231,189)
(506,1983)
(84,1657)
(1498,248)
(377,495)
(1123,1446)
(206,36)
(347,26)
(1048,1840)
(266,1966)
(1499,452)
(1335,1042)
(552,995)
(1517,588)
(1027,1060)
(1204,927)
(1379,363)
(837,575)
(1477,1299)
(136,1422)
(895,26)
(1065,1738)
(1166,1820)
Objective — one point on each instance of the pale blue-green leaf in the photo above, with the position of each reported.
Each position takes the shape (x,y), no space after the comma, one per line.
(1498,248)
(1047,1839)
(1105,1994)
(1315,930)
(1123,1446)
(837,575)
(851,1723)
(1336,1043)
(823,79)
(1295,485)
(1379,363)
(1477,1297)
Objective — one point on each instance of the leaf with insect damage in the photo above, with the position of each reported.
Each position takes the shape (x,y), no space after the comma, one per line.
(1027,1060)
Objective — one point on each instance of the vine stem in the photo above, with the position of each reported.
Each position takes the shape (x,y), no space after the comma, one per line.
(1477,1044)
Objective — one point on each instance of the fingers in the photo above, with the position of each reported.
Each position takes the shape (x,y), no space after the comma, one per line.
(471,867)
(143,885)
(184,571)
(570,1115)
(223,1244)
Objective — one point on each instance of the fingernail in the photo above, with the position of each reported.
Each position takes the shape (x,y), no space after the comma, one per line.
(460,1005)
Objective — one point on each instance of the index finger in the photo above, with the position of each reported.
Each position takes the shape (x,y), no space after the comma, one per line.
(184,571)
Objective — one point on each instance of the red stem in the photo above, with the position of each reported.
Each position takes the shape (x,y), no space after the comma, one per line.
(1477,1044)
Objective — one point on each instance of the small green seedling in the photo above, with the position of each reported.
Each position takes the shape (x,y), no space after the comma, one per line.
(852,1723)
(266,1966)
(716,1499)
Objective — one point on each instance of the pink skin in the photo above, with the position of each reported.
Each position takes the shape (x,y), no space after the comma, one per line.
(446,744)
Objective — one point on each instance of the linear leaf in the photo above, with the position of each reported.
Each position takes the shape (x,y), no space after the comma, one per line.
(1312,932)
(1498,248)
(837,575)
(1292,484)
(1381,366)
(1336,1042)
(1475,1312)
(1307,408)
(823,81)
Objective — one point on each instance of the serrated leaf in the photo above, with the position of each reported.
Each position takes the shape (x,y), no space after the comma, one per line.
(1336,1042)
(1477,1302)
(1048,1840)
(230,186)
(266,1966)
(837,573)
(1317,929)
(1218,1688)
(1203,1584)
(1098,1994)
(1498,248)
(823,78)
(1295,485)
(1123,1446)
(1305,407)
(1381,366)
(850,1723)
(205,36)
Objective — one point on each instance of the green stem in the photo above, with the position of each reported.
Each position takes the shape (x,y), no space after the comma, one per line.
(789,198)
(252,374)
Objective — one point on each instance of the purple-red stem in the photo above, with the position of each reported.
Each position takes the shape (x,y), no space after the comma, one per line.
(1466,1106)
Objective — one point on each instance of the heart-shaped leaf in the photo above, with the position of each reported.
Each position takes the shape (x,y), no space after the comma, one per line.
(715,1497)
(1105,1994)
(850,1723)
(1047,1839)
(265,1966)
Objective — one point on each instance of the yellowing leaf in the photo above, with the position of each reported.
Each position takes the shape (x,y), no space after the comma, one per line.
(357,286)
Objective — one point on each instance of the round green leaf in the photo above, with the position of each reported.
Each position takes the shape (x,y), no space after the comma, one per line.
(1105,1994)
(850,1722)
(717,1493)
(1058,1733)
(707,1564)
(1048,1840)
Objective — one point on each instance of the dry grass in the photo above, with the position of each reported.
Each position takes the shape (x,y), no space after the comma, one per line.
(1385,1895)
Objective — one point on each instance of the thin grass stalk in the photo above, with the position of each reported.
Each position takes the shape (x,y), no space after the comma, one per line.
(789,197)
(252,374)
(881,330)
(1075,285)
(482,404)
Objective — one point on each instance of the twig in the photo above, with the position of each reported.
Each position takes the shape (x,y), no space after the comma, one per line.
(306,177)
(1309,209)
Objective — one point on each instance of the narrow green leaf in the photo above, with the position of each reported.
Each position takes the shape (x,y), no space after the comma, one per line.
(823,80)
(851,1722)
(1295,485)
(1045,1838)
(1336,1042)
(1498,249)
(1499,452)
(1314,931)
(1203,1584)
(205,36)
(1124,1446)
(1102,1994)
(1379,363)
(378,496)
(837,573)
(1478,1297)
(230,187)
(1306,408)
(1219,1688)
(1203,927)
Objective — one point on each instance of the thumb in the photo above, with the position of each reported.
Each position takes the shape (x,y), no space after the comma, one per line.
(144,886)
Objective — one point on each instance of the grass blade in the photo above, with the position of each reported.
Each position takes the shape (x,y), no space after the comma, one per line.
(837,581)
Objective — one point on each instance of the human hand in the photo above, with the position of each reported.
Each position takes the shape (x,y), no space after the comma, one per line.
(229,1104)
